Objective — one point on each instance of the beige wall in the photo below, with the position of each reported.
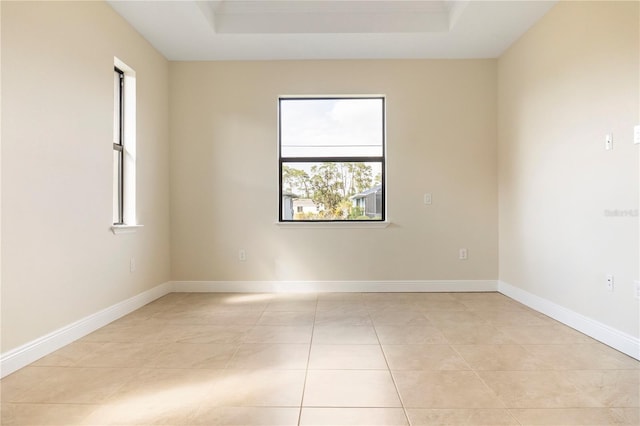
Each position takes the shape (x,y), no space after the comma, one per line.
(441,138)
(573,78)
(60,262)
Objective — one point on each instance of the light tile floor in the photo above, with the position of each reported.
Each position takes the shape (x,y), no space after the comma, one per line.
(328,359)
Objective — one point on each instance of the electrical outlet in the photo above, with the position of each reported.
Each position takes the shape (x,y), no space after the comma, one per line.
(427,198)
(636,134)
(636,288)
(610,282)
(242,255)
(608,141)
(132,264)
(462,254)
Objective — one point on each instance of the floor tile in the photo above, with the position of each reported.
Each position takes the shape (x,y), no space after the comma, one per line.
(277,356)
(353,357)
(628,416)
(478,296)
(69,355)
(460,416)
(231,301)
(350,388)
(204,333)
(352,416)
(170,389)
(472,334)
(349,334)
(16,386)
(340,297)
(430,306)
(545,334)
(396,299)
(143,412)
(392,317)
(409,334)
(345,305)
(137,332)
(121,354)
(244,416)
(193,355)
(292,305)
(210,316)
(537,389)
(46,414)
(257,388)
(518,318)
(501,357)
(453,318)
(493,304)
(580,356)
(76,385)
(610,388)
(339,358)
(571,416)
(444,389)
(279,334)
(287,318)
(423,357)
(340,317)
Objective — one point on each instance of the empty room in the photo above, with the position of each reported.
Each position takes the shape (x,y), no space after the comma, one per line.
(304,212)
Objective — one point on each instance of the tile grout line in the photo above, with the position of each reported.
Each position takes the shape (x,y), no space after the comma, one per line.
(393,379)
(306,370)
(244,336)
(475,372)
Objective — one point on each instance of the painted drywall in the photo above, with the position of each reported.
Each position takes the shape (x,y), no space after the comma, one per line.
(60,261)
(568,207)
(441,138)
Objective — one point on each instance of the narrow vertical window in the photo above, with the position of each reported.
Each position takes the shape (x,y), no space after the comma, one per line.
(118,146)
(124,148)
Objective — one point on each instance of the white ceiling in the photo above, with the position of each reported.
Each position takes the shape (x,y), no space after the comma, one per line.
(184,30)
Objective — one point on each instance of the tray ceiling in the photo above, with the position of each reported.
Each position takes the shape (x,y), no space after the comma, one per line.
(330,29)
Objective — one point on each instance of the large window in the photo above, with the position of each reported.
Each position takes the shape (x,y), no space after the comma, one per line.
(332,159)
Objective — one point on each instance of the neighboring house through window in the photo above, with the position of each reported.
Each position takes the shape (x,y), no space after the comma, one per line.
(332,158)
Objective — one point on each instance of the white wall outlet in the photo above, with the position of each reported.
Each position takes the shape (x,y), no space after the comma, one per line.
(132,264)
(427,198)
(462,254)
(242,255)
(636,289)
(608,141)
(636,134)
(610,282)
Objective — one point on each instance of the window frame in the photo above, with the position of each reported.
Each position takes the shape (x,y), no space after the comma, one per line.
(119,147)
(333,159)
(127,139)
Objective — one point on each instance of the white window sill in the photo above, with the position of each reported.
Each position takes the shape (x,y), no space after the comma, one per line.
(125,229)
(334,225)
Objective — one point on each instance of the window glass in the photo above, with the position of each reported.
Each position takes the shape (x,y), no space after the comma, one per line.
(332,159)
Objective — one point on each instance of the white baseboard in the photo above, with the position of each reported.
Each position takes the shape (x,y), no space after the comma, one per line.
(333,286)
(26,354)
(615,338)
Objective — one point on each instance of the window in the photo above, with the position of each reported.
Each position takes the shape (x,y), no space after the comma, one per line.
(118,145)
(124,147)
(332,159)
